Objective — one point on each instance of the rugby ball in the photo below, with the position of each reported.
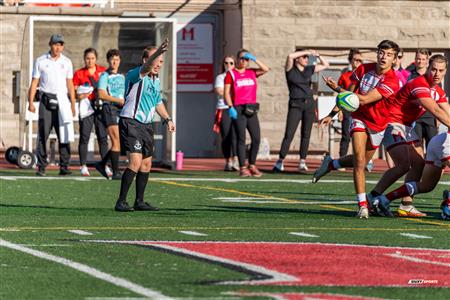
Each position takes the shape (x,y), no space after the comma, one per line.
(347,101)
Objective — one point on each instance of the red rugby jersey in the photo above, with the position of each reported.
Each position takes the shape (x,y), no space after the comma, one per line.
(406,108)
(81,77)
(345,79)
(376,114)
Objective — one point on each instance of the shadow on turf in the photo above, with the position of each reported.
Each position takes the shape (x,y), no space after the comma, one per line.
(267,210)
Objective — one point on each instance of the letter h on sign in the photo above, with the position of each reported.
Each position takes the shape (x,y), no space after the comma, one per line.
(188,33)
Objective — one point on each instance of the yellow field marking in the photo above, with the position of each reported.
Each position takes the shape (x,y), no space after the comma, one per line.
(138,228)
(230,191)
(336,207)
(427,222)
(262,196)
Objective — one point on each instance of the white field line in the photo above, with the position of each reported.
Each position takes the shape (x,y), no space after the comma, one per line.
(194,233)
(418,260)
(303,234)
(230,180)
(45,245)
(416,236)
(80,232)
(117,281)
(257,243)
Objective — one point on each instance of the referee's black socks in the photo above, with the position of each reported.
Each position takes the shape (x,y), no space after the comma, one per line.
(141,183)
(127,180)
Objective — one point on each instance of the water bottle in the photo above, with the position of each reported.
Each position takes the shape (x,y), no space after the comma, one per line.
(179,160)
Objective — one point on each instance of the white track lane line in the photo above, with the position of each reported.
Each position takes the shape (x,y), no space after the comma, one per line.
(117,281)
(303,234)
(415,236)
(194,233)
(80,232)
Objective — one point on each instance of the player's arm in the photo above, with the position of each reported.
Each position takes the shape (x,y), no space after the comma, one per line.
(147,66)
(105,96)
(372,96)
(440,111)
(162,112)
(436,110)
(32,94)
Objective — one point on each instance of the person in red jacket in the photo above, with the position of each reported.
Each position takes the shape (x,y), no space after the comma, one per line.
(85,81)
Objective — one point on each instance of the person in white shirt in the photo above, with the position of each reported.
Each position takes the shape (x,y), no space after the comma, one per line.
(223,123)
(53,73)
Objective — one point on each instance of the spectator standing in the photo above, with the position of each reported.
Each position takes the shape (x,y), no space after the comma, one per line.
(142,100)
(90,109)
(425,127)
(111,90)
(240,95)
(223,122)
(52,74)
(301,103)
(401,73)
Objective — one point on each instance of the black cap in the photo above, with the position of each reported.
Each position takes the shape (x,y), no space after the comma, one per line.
(56,38)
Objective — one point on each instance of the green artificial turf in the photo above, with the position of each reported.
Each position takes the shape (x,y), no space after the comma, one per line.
(38,213)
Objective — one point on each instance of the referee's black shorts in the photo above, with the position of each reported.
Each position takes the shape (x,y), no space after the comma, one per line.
(136,137)
(110,114)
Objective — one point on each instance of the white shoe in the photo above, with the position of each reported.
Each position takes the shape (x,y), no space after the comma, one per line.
(84,171)
(323,169)
(363,212)
(302,166)
(108,171)
(409,211)
(278,167)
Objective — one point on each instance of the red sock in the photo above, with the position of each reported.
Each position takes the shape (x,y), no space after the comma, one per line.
(398,193)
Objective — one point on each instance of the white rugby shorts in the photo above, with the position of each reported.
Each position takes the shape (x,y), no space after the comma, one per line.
(375,137)
(438,150)
(399,134)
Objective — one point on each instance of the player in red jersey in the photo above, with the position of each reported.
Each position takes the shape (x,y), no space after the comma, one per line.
(417,96)
(375,85)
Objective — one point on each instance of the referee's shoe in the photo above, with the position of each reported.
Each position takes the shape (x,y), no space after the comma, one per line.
(123,206)
(141,205)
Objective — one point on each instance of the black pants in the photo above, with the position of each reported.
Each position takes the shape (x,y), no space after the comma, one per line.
(228,134)
(426,130)
(299,109)
(242,123)
(48,119)
(86,125)
(345,140)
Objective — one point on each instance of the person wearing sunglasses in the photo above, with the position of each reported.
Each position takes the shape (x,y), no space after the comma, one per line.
(355,59)
(301,102)
(222,122)
(240,96)
(401,73)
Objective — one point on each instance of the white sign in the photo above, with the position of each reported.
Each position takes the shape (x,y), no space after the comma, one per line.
(195,58)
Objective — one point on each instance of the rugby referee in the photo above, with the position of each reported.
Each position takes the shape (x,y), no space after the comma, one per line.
(142,100)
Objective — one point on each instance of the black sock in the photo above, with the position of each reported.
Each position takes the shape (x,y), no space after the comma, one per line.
(114,161)
(375,194)
(106,158)
(127,180)
(141,183)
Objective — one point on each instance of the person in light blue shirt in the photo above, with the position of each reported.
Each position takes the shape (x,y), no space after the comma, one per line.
(142,100)
(111,90)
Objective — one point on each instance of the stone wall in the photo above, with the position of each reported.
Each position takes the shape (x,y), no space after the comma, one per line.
(273,28)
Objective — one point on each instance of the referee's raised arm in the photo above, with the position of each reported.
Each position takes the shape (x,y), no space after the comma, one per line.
(147,66)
